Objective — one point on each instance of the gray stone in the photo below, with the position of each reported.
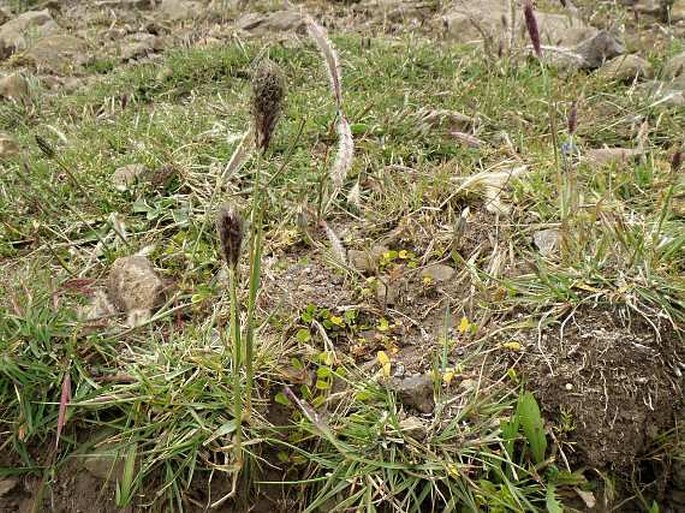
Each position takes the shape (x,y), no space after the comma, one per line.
(177,10)
(598,49)
(58,53)
(677,11)
(547,241)
(415,392)
(438,273)
(414,428)
(386,295)
(8,146)
(141,45)
(32,24)
(606,156)
(468,22)
(627,68)
(133,284)
(653,7)
(126,177)
(271,23)
(105,463)
(14,87)
(674,67)
(366,261)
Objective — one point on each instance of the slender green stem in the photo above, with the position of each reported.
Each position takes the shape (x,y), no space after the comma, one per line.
(255,275)
(236,347)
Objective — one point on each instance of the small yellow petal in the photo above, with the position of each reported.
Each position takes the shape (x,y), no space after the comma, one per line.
(512,346)
(464,325)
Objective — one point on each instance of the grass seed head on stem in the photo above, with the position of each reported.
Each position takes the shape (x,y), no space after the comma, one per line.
(532,26)
(230,227)
(573,119)
(268,92)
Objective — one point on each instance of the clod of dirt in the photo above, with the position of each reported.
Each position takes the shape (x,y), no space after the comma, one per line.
(104,463)
(612,378)
(674,68)
(140,45)
(387,291)
(57,53)
(438,273)
(14,87)
(14,33)
(126,177)
(366,261)
(653,7)
(415,392)
(626,68)
(8,146)
(414,428)
(677,11)
(7,484)
(133,285)
(547,241)
(678,205)
(600,157)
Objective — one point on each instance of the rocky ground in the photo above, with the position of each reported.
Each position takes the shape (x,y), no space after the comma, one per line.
(418,263)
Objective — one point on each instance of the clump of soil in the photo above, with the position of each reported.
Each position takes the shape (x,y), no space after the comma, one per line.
(617,380)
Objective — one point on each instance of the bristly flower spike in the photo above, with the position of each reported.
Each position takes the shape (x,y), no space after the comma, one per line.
(532,26)
(268,92)
(230,227)
(573,119)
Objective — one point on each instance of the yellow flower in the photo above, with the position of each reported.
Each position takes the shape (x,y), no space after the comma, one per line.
(464,325)
(512,346)
(384,362)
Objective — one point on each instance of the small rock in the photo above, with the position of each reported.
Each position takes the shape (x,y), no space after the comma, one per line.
(126,177)
(415,392)
(678,206)
(99,307)
(677,12)
(264,24)
(386,295)
(438,272)
(547,241)
(653,7)
(626,68)
(366,261)
(5,15)
(8,146)
(598,49)
(133,284)
(105,463)
(7,484)
(666,95)
(674,67)
(59,53)
(14,33)
(177,10)
(605,156)
(142,46)
(414,428)
(14,87)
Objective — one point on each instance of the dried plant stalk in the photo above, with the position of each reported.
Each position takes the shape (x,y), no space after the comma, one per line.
(320,37)
(268,88)
(345,155)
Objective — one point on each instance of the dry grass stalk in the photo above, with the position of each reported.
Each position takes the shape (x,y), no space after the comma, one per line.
(345,155)
(230,227)
(336,244)
(532,26)
(320,37)
(268,88)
